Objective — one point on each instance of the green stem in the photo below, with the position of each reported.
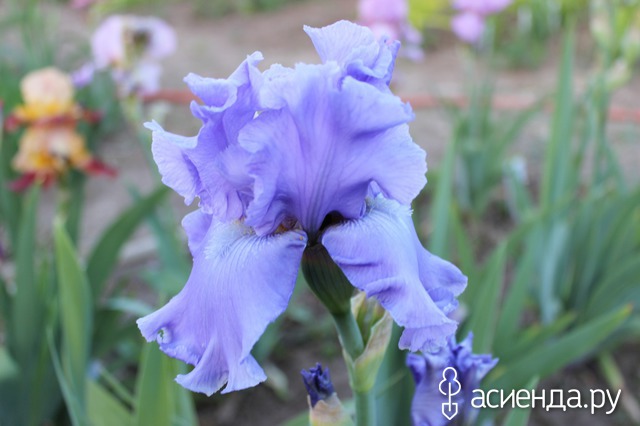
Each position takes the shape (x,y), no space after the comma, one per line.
(353,344)
(365,408)
(349,332)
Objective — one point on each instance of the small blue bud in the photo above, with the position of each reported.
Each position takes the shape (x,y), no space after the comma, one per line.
(318,383)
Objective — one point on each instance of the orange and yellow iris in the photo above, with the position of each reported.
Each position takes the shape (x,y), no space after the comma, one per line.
(50,145)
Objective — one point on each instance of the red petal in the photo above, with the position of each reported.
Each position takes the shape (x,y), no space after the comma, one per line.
(96,167)
(12,123)
(22,183)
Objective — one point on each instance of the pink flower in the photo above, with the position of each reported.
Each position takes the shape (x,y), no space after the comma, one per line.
(469,23)
(468,26)
(389,18)
(81,4)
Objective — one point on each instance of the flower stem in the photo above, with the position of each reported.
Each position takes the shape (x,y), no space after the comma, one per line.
(353,344)
(349,333)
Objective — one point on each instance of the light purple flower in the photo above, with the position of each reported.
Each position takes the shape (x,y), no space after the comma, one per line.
(429,370)
(131,46)
(468,26)
(469,23)
(83,76)
(388,19)
(285,159)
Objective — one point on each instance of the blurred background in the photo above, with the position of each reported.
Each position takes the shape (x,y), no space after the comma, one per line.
(529,113)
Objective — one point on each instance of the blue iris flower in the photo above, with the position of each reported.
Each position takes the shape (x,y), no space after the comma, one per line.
(429,371)
(279,153)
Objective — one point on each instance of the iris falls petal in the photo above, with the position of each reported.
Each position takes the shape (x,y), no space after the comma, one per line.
(240,282)
(379,255)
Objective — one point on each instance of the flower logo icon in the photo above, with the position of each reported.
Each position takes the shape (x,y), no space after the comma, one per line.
(449,387)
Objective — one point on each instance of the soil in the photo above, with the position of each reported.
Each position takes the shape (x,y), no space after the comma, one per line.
(214,47)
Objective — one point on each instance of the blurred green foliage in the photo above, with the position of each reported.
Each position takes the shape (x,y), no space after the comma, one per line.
(563,284)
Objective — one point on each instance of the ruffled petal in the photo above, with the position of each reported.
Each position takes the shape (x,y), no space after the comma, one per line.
(240,283)
(379,255)
(177,170)
(211,166)
(322,150)
(196,225)
(356,50)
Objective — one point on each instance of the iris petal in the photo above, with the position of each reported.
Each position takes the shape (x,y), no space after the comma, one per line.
(322,150)
(428,372)
(381,255)
(211,166)
(356,50)
(226,305)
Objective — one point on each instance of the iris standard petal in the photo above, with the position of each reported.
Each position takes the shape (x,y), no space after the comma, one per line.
(210,166)
(379,256)
(322,150)
(177,171)
(240,283)
(356,50)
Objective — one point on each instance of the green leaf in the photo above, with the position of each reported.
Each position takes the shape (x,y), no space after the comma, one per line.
(483,321)
(516,295)
(75,310)
(520,416)
(533,336)
(394,387)
(553,356)
(551,266)
(442,204)
(155,404)
(26,328)
(464,247)
(9,205)
(10,380)
(75,407)
(128,305)
(104,409)
(615,287)
(104,255)
(556,180)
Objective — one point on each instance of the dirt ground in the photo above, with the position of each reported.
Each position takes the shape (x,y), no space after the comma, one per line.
(214,48)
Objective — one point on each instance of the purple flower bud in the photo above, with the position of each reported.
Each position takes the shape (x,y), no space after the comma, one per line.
(318,383)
